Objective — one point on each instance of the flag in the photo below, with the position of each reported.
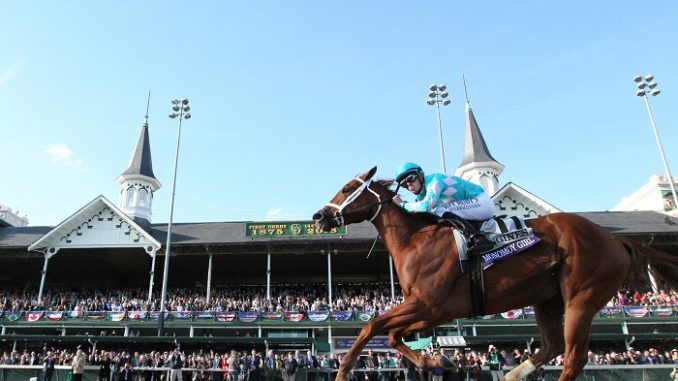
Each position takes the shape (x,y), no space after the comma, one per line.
(611,311)
(365,316)
(181,315)
(203,315)
(528,312)
(34,316)
(635,311)
(271,315)
(96,315)
(513,314)
(155,315)
(54,315)
(294,316)
(318,315)
(661,311)
(225,316)
(138,315)
(247,316)
(14,316)
(341,315)
(115,316)
(76,314)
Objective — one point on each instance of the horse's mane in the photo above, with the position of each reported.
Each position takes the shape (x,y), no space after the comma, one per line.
(428,218)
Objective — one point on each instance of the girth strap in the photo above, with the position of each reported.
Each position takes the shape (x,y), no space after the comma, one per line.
(477,285)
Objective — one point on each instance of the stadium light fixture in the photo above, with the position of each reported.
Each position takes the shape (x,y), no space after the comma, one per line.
(180,110)
(646,86)
(437,95)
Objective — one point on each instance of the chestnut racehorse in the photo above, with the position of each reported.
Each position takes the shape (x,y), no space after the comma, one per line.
(574,270)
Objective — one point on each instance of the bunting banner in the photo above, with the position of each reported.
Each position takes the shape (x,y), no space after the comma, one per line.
(318,315)
(513,314)
(341,315)
(203,315)
(614,311)
(225,316)
(635,311)
(181,315)
(33,316)
(661,311)
(115,316)
(95,315)
(365,316)
(528,312)
(248,316)
(14,316)
(54,315)
(138,315)
(271,315)
(76,314)
(155,315)
(294,316)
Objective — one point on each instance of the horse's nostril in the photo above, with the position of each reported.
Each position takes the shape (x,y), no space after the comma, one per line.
(318,216)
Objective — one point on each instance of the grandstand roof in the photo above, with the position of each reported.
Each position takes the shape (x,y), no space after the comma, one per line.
(225,233)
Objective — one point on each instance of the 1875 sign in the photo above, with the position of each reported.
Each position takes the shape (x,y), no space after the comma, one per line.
(288,229)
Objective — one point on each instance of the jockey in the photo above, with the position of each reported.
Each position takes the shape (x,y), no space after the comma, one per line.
(449,197)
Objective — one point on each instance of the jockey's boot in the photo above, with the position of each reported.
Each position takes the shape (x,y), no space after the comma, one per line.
(478,242)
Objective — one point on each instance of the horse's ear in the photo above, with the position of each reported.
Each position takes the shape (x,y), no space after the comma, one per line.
(368,175)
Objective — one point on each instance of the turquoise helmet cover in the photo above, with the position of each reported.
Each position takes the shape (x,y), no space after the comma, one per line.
(407,168)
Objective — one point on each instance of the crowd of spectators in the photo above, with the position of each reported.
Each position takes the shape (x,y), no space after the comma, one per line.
(201,365)
(300,298)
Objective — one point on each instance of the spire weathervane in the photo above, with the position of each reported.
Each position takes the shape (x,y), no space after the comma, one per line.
(148,104)
(465,92)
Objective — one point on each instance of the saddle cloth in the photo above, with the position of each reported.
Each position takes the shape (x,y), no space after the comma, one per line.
(510,236)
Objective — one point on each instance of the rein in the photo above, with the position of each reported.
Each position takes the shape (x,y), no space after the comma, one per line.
(338,215)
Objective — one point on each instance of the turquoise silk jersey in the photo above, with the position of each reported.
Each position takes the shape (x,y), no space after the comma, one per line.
(441,189)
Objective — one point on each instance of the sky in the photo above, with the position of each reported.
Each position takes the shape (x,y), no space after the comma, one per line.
(291,99)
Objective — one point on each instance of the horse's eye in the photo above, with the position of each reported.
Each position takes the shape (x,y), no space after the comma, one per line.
(344,190)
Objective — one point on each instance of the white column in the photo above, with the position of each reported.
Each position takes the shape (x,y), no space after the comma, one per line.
(43,275)
(268,275)
(329,338)
(209,279)
(390,267)
(329,277)
(152,277)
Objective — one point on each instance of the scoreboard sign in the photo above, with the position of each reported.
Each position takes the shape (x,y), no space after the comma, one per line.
(289,229)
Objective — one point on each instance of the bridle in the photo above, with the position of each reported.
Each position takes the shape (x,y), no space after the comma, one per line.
(338,215)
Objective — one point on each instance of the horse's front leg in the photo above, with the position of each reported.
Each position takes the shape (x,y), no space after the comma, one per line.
(395,339)
(399,318)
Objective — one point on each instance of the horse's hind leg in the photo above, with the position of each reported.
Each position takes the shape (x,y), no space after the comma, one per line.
(549,315)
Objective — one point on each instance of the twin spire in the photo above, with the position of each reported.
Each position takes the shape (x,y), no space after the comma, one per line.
(138,183)
(477,164)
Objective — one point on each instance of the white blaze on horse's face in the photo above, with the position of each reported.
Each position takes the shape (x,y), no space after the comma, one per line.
(332,215)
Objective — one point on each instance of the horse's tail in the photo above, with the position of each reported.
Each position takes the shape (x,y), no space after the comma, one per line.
(645,261)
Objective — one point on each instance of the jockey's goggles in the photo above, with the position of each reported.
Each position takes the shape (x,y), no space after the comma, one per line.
(412,177)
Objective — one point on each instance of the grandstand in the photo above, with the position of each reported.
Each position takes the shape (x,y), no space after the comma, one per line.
(229,256)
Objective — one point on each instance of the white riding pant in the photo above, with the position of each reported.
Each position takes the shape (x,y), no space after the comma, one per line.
(479,208)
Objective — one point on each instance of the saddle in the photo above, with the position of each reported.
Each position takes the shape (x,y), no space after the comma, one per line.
(510,236)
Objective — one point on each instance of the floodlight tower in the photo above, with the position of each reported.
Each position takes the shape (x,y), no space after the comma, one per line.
(646,86)
(180,109)
(436,96)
